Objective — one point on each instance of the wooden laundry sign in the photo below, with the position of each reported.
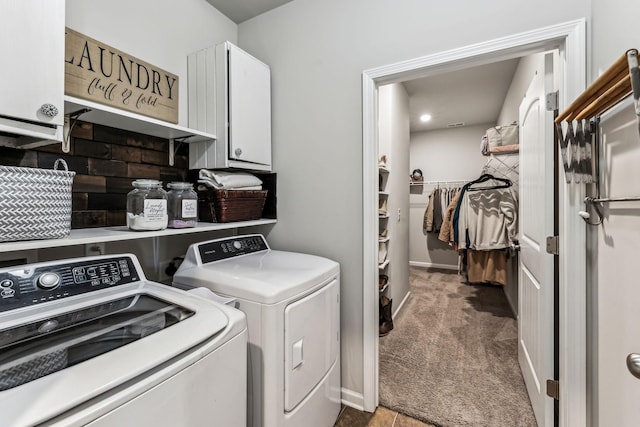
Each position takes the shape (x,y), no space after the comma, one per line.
(98,72)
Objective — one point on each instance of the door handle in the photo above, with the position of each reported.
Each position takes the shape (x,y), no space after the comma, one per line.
(633,364)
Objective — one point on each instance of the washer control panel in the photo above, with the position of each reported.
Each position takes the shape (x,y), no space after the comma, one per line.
(26,285)
(217,250)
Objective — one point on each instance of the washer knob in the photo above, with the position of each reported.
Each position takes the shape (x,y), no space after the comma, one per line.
(48,281)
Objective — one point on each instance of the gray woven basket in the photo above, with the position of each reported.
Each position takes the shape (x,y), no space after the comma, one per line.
(35,203)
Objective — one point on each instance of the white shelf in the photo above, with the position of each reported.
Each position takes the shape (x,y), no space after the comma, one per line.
(383,169)
(383,193)
(383,265)
(383,216)
(383,239)
(125,120)
(85,236)
(384,288)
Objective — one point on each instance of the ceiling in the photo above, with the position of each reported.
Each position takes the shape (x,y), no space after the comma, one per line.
(471,96)
(241,10)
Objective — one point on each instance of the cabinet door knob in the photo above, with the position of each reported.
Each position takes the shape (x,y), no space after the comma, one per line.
(238,152)
(49,110)
(633,364)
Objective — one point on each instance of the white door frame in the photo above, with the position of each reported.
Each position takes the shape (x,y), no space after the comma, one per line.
(570,39)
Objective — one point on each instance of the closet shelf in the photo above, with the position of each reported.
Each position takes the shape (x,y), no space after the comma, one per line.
(384,288)
(383,239)
(383,193)
(383,169)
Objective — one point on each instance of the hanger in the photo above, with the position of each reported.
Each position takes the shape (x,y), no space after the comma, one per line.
(485,177)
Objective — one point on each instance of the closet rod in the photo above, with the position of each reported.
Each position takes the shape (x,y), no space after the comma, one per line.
(618,72)
(455,181)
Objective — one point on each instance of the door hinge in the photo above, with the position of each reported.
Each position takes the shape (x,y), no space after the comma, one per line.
(553,389)
(553,246)
(552,101)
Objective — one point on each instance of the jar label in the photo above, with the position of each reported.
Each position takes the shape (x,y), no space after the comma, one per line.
(189,208)
(155,210)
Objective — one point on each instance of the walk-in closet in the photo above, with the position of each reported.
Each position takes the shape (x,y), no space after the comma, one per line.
(449,190)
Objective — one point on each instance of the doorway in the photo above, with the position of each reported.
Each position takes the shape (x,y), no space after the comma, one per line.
(569,39)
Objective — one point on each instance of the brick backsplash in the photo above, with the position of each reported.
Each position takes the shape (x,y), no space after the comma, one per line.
(106,160)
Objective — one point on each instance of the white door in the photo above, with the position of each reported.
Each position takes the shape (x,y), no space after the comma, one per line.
(249,108)
(613,267)
(535,275)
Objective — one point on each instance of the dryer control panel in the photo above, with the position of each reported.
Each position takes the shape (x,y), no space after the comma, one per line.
(26,285)
(217,250)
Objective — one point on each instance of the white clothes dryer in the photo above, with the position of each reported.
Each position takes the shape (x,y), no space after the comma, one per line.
(292,303)
(90,342)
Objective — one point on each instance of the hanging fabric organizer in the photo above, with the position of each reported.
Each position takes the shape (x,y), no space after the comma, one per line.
(580,161)
(619,81)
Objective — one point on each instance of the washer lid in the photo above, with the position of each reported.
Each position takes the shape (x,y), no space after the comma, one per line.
(266,277)
(130,332)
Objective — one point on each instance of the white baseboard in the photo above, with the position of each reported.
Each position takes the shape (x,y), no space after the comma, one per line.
(406,297)
(352,399)
(433,265)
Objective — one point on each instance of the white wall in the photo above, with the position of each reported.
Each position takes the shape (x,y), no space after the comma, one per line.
(614,30)
(317,50)
(161,32)
(394,142)
(442,155)
(518,87)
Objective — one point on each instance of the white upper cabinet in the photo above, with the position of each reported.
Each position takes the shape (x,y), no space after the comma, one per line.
(230,96)
(32,75)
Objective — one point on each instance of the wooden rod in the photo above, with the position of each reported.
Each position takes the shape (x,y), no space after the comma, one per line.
(596,95)
(609,98)
(604,81)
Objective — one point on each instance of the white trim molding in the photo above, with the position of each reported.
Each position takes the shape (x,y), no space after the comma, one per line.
(370,243)
(570,39)
(420,264)
(402,303)
(352,399)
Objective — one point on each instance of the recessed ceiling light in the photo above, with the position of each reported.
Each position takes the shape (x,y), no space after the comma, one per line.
(425,117)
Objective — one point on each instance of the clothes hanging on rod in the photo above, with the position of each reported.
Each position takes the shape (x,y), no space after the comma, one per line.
(439,200)
(486,215)
(446,232)
(487,266)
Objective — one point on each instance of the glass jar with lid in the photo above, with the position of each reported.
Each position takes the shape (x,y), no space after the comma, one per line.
(182,205)
(147,206)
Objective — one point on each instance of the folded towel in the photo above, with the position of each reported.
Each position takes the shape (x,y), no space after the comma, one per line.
(228,180)
(207,184)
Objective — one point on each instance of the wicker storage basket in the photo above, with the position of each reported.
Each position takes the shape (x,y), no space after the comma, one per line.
(35,203)
(230,205)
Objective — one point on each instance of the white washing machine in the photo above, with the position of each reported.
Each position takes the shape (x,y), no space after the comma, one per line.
(292,303)
(89,341)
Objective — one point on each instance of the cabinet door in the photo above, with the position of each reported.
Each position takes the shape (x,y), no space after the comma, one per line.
(249,108)
(32,48)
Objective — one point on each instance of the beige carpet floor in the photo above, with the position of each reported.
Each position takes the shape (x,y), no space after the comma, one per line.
(451,359)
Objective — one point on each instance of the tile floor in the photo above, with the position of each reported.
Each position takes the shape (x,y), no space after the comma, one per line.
(382,417)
